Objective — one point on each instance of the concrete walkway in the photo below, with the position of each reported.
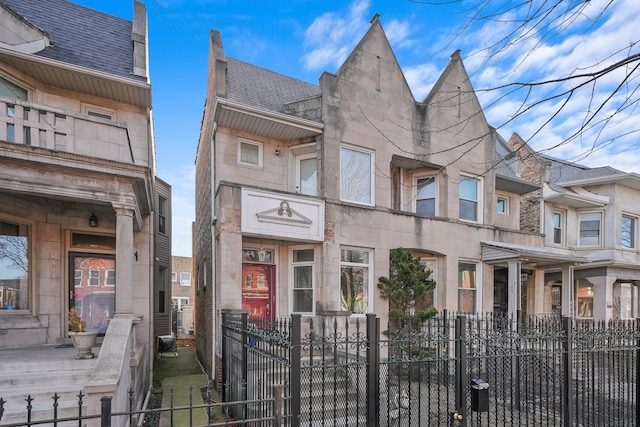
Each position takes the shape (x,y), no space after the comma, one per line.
(182,372)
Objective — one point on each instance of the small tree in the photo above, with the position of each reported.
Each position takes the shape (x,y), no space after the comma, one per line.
(407,287)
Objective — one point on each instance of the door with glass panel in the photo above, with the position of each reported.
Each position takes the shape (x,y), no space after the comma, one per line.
(92,288)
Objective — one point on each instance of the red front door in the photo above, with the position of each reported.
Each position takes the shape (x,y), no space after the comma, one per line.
(258,290)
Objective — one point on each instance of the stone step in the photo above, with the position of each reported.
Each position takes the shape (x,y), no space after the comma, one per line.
(26,380)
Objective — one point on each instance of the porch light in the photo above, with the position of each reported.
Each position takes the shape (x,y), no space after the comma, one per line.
(93,220)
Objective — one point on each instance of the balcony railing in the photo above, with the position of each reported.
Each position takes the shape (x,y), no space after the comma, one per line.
(54,129)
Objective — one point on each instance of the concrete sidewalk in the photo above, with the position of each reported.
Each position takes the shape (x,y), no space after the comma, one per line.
(181,371)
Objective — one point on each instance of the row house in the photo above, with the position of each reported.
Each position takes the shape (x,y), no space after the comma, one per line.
(78,192)
(302,190)
(586,213)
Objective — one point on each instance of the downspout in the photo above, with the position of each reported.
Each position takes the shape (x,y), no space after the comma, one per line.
(214,221)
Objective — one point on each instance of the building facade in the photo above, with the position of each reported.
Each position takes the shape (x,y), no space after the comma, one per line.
(77,225)
(182,296)
(590,213)
(302,190)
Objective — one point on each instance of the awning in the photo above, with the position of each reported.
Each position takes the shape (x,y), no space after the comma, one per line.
(496,253)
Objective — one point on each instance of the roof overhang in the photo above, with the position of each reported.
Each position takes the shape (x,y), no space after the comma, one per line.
(515,185)
(582,199)
(413,164)
(262,122)
(79,79)
(497,253)
(631,180)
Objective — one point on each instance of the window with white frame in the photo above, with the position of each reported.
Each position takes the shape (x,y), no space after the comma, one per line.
(303,280)
(304,164)
(179,302)
(502,205)
(110,278)
(185,279)
(426,196)
(356,175)
(558,226)
(162,290)
(94,277)
(431,265)
(590,229)
(628,232)
(469,208)
(467,287)
(100,112)
(174,276)
(355,279)
(250,153)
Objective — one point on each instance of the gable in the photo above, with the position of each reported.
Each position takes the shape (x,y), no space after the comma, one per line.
(374,65)
(18,34)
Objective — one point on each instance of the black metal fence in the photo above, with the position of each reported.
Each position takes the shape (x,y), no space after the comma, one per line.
(449,370)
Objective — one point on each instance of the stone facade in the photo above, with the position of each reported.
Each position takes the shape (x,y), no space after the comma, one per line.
(77,186)
(359,147)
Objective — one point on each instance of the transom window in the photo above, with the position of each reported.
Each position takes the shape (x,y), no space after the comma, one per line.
(627,237)
(469,199)
(426,196)
(356,176)
(590,229)
(303,280)
(250,153)
(355,280)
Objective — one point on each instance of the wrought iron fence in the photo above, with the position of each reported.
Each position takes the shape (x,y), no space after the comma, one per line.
(449,370)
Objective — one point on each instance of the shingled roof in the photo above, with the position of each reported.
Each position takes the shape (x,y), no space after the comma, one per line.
(81,36)
(262,88)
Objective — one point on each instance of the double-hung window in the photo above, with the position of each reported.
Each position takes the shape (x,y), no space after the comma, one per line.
(628,234)
(426,196)
(469,208)
(355,280)
(558,221)
(356,175)
(302,263)
(590,229)
(467,287)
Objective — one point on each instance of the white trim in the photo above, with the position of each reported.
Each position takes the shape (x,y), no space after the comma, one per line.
(479,194)
(370,285)
(260,146)
(372,183)
(414,198)
(292,288)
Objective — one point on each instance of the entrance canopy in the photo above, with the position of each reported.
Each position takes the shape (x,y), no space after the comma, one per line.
(497,253)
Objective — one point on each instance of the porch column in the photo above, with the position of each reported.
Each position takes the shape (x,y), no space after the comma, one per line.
(602,296)
(567,291)
(124,259)
(514,288)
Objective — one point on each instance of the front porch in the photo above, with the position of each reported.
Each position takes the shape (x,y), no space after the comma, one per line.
(43,371)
